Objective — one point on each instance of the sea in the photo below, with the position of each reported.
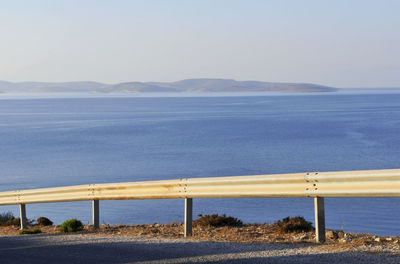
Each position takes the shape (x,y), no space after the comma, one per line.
(51,140)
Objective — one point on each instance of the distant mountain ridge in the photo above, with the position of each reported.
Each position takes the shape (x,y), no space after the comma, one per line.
(188,85)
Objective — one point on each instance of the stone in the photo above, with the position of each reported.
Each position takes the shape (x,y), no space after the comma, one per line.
(345,240)
(378,239)
(301,237)
(348,235)
(331,234)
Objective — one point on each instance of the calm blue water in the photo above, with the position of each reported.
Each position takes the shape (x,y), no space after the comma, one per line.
(68,141)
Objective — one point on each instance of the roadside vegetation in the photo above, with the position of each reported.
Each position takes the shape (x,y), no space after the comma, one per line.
(71,225)
(293,224)
(8,219)
(30,231)
(216,220)
(44,221)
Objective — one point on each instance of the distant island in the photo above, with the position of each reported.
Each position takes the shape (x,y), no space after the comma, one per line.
(189,85)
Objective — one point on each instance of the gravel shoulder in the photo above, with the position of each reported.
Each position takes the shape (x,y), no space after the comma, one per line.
(164,243)
(98,248)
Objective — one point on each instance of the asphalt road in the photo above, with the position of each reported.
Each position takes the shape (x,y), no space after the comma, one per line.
(78,248)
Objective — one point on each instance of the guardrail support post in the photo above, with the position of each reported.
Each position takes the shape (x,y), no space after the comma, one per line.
(319,210)
(22,216)
(188,217)
(96,214)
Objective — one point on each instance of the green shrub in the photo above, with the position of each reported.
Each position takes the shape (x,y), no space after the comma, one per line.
(71,225)
(30,231)
(293,224)
(8,219)
(216,220)
(44,221)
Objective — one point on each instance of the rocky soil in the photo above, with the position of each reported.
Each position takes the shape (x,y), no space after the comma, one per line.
(249,233)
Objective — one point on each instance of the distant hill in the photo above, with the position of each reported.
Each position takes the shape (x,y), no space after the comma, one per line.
(189,85)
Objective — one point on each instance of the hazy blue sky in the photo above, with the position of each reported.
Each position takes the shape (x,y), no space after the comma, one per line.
(341,43)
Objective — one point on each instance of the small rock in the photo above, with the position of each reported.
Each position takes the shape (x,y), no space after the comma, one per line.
(331,234)
(389,239)
(348,235)
(345,240)
(340,234)
(378,239)
(301,237)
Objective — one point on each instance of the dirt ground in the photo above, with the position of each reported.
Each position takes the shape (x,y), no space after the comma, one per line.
(248,233)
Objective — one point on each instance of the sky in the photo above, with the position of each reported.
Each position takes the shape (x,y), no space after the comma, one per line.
(341,43)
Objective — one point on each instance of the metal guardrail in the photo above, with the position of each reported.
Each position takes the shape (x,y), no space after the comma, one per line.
(368,183)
